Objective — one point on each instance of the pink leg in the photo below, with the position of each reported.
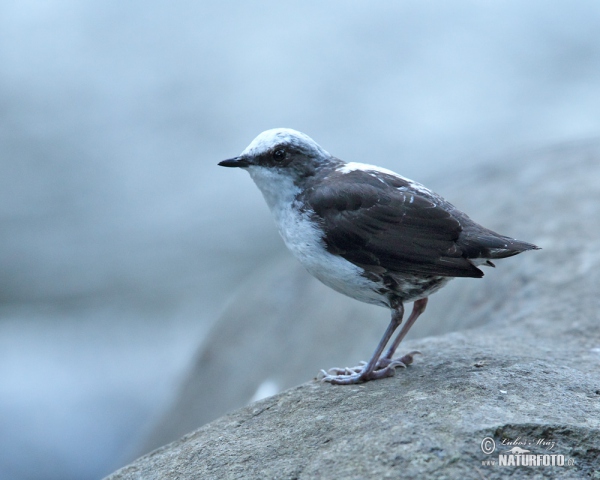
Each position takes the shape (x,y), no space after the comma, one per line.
(368,371)
(385,361)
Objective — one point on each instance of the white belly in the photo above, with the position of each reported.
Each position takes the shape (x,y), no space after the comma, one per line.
(305,242)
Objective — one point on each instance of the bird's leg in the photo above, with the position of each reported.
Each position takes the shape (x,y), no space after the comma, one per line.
(387,360)
(368,371)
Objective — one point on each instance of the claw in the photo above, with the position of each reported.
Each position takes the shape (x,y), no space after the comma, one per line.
(408,358)
(396,363)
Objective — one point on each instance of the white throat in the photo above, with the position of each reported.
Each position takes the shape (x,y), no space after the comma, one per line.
(277,188)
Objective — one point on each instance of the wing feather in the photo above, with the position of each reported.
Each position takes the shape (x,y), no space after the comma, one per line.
(381,225)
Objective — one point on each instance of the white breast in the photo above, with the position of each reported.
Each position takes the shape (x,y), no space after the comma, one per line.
(304,239)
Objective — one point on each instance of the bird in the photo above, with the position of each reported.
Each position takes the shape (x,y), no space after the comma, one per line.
(368,233)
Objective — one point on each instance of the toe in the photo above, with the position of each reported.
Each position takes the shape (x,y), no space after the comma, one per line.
(409,357)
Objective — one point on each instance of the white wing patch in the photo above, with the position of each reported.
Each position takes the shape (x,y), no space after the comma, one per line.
(365,167)
(373,170)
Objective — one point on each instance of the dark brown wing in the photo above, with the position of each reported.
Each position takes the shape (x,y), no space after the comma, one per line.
(388,226)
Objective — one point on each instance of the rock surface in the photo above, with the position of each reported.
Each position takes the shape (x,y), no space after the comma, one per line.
(279,331)
(529,371)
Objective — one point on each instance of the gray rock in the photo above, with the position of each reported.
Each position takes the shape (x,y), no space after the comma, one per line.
(529,370)
(279,331)
(427,422)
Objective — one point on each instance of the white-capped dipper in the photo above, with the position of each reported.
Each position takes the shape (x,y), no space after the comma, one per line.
(368,233)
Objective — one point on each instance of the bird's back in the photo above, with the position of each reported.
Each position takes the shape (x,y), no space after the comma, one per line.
(383,222)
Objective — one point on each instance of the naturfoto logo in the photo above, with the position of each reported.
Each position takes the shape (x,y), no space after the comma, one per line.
(519,456)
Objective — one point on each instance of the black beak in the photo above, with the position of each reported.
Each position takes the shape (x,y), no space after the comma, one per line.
(235,162)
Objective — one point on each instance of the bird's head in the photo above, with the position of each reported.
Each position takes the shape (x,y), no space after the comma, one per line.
(281,152)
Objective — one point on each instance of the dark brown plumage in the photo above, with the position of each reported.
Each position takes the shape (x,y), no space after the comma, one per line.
(385,223)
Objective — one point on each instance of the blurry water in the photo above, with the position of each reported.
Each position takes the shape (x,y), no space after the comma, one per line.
(120,239)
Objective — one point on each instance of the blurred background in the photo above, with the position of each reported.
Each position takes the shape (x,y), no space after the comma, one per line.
(121,241)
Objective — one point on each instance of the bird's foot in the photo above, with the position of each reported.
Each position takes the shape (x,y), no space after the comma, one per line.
(403,361)
(385,367)
(358,374)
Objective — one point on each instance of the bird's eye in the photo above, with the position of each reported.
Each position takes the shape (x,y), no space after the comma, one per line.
(279,155)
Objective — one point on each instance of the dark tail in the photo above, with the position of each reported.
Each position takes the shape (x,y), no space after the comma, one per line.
(511,247)
(490,245)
